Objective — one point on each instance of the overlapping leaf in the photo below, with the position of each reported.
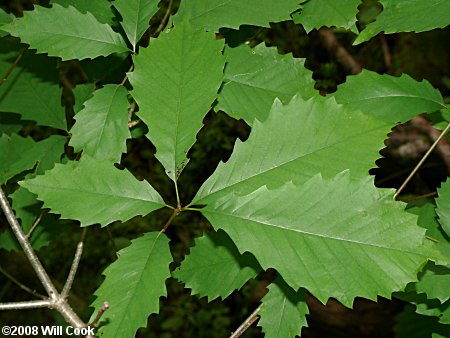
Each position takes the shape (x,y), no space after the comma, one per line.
(133,285)
(67,33)
(214,14)
(409,324)
(337,238)
(27,210)
(215,268)
(4,19)
(136,15)
(392,99)
(408,16)
(18,154)
(284,311)
(319,13)
(254,77)
(443,207)
(82,93)
(98,192)
(101,9)
(32,88)
(166,84)
(101,127)
(294,143)
(435,283)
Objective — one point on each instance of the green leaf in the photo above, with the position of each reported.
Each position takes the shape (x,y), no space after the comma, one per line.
(27,210)
(412,325)
(407,16)
(47,152)
(284,311)
(101,127)
(136,15)
(214,14)
(101,9)
(32,88)
(318,13)
(438,241)
(97,191)
(294,143)
(166,84)
(133,285)
(82,93)
(443,206)
(4,19)
(254,77)
(337,238)
(392,99)
(17,154)
(215,268)
(435,282)
(67,33)
(10,123)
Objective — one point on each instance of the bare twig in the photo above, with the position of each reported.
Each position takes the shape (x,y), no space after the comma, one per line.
(30,304)
(8,73)
(247,323)
(54,300)
(21,285)
(416,168)
(386,53)
(341,53)
(442,148)
(35,223)
(73,269)
(164,19)
(100,313)
(175,213)
(415,198)
(112,242)
(126,75)
(26,246)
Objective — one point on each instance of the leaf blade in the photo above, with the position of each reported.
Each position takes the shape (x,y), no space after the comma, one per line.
(383,95)
(133,285)
(295,144)
(214,268)
(214,14)
(407,16)
(91,38)
(343,236)
(101,127)
(99,192)
(166,80)
(254,77)
(284,311)
(136,15)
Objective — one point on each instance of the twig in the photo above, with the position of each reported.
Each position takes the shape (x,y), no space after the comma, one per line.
(54,300)
(443,148)
(30,304)
(341,53)
(35,223)
(74,267)
(415,198)
(164,19)
(175,213)
(134,123)
(112,242)
(26,246)
(421,162)
(247,323)
(386,53)
(19,284)
(126,75)
(100,313)
(8,73)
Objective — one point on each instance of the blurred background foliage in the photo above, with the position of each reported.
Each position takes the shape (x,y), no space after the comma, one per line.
(423,56)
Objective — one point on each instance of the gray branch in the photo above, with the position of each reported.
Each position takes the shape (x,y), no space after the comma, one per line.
(31,304)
